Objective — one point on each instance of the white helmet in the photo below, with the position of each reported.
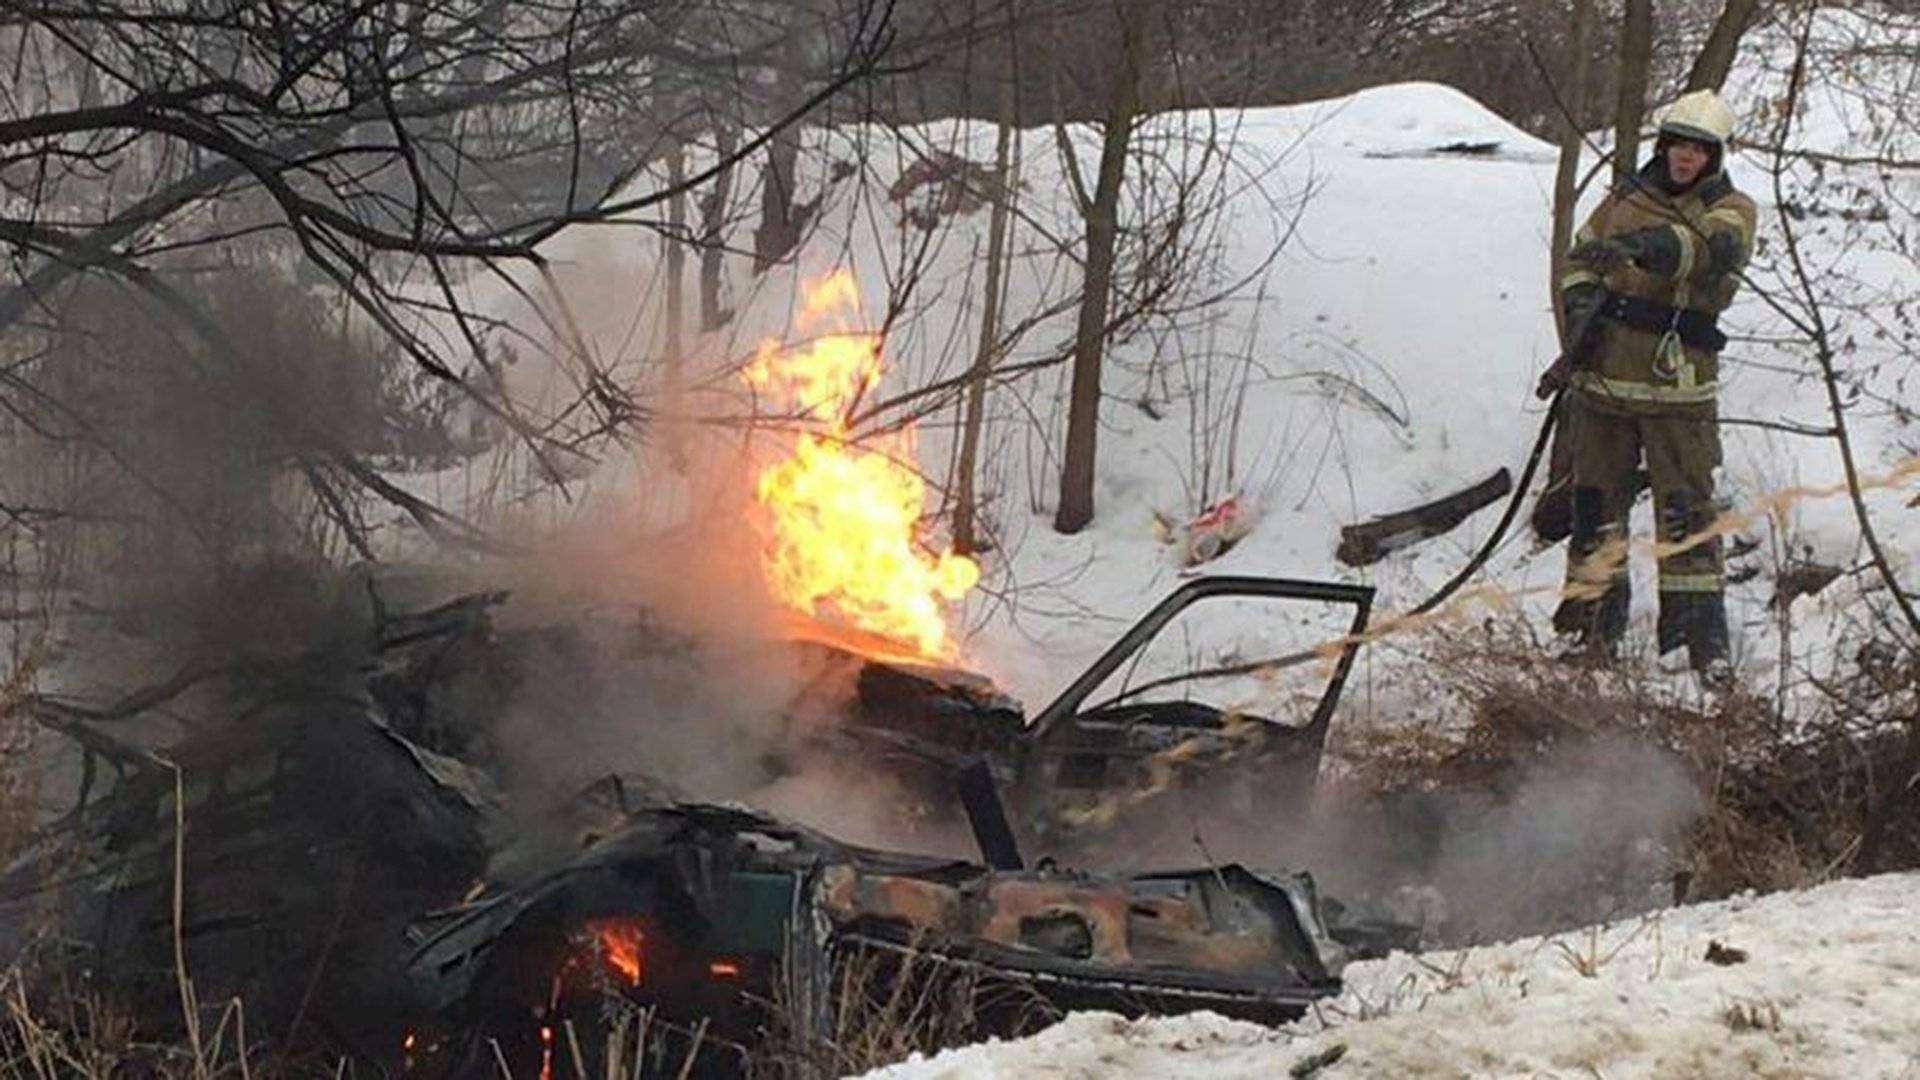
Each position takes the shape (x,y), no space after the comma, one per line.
(1700,116)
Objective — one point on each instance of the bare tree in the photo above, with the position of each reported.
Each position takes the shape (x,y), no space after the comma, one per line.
(713,217)
(1810,314)
(1572,140)
(1710,67)
(1630,108)
(965,540)
(389,150)
(1075,510)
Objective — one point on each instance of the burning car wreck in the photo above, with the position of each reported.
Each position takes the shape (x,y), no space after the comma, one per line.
(731,924)
(354,831)
(1065,764)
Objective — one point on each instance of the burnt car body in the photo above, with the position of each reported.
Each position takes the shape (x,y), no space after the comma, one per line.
(923,722)
(742,924)
(745,923)
(920,721)
(353,792)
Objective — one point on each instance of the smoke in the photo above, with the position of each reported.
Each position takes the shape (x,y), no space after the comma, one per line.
(859,806)
(644,643)
(1583,833)
(597,696)
(166,442)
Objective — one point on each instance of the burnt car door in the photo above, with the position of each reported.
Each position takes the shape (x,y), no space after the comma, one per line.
(1233,677)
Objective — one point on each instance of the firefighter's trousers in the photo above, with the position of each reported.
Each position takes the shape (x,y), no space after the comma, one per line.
(1680,453)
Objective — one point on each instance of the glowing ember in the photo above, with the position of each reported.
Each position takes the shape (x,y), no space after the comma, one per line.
(619,944)
(842,519)
(724,969)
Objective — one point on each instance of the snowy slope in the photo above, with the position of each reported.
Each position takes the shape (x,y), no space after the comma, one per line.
(1829,987)
(1380,314)
(1389,317)
(1387,353)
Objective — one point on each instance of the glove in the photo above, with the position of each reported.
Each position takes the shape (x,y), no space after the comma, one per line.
(1581,305)
(1554,379)
(1655,250)
(1603,253)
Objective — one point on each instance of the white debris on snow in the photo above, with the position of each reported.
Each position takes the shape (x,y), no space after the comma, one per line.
(1829,987)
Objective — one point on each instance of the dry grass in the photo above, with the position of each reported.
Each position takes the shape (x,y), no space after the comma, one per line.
(1783,804)
(55,1024)
(19,774)
(52,1029)
(887,1004)
(1592,953)
(880,1005)
(1760,1015)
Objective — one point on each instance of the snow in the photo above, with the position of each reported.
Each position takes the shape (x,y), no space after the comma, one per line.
(1830,987)
(1403,287)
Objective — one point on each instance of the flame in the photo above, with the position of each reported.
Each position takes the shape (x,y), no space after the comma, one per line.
(842,519)
(619,944)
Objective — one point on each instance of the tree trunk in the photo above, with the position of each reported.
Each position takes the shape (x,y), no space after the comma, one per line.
(1636,51)
(964,541)
(676,262)
(1089,343)
(1716,56)
(780,214)
(674,317)
(779,231)
(1573,92)
(713,220)
(1552,517)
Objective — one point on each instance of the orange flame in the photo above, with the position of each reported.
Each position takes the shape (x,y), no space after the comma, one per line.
(619,944)
(843,518)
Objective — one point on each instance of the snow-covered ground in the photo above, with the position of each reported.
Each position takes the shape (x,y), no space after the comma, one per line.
(1827,985)
(1386,314)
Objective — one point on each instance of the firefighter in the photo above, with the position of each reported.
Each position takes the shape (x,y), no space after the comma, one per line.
(1650,272)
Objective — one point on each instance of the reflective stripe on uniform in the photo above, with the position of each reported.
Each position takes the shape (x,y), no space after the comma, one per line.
(1687,259)
(1580,277)
(1690,583)
(1629,390)
(1732,217)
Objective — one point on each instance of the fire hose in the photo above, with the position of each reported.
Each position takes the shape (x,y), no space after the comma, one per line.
(1499,533)
(1584,323)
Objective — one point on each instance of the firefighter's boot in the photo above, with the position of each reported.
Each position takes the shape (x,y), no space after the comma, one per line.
(1594,612)
(1594,626)
(1698,621)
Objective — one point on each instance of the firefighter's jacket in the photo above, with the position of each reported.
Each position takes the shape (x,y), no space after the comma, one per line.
(1658,342)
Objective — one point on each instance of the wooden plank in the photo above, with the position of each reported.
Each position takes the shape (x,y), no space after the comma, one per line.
(1370,541)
